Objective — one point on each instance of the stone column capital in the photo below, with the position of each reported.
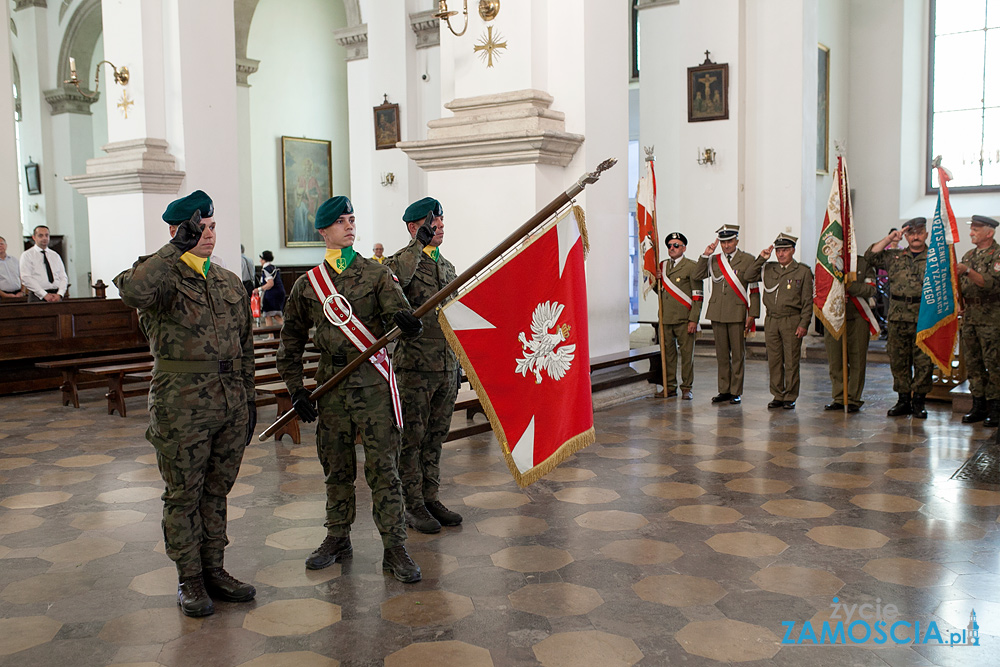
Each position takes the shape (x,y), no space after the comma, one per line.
(244,68)
(135,165)
(355,40)
(427,28)
(67,99)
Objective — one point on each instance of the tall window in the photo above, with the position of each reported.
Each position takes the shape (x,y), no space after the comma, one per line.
(964,119)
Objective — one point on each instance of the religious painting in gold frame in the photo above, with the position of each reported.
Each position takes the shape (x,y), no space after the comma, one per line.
(708,92)
(386,125)
(823,112)
(306,182)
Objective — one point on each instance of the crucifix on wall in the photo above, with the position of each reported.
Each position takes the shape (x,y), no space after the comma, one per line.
(708,91)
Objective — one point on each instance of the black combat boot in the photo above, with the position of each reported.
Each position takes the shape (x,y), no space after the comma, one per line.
(993,420)
(443,514)
(919,412)
(223,586)
(193,598)
(328,553)
(978,412)
(420,519)
(397,561)
(902,407)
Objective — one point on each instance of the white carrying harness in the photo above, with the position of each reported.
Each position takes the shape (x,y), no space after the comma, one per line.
(673,289)
(338,310)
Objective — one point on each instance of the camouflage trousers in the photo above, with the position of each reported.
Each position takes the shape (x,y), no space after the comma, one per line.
(198,453)
(981,350)
(428,404)
(911,367)
(344,413)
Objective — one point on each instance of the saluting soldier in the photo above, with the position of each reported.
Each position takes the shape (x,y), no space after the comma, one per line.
(911,367)
(201,398)
(681,298)
(427,370)
(979,273)
(732,308)
(859,321)
(788,291)
(350,300)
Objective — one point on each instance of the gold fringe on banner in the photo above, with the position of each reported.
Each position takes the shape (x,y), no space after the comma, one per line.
(581,223)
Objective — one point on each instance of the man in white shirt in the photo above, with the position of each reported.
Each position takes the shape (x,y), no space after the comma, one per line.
(10,274)
(42,270)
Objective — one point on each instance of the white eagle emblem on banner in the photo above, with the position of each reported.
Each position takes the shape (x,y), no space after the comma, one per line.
(543,351)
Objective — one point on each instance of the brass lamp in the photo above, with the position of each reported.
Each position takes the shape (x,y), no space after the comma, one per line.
(121,77)
(445,15)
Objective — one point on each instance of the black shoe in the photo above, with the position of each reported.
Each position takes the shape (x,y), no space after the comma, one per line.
(917,406)
(993,420)
(223,586)
(853,408)
(788,405)
(901,408)
(444,515)
(193,598)
(735,400)
(775,404)
(420,519)
(328,553)
(834,406)
(397,561)
(671,393)
(979,411)
(721,398)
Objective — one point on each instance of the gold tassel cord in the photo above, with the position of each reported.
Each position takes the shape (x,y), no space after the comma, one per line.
(581,223)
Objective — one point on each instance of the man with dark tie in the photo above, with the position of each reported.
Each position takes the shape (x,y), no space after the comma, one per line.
(42,270)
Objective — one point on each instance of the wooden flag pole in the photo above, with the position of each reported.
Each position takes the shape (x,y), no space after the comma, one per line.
(656,281)
(550,209)
(843,347)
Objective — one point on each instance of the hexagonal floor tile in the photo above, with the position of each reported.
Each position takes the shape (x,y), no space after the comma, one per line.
(285,618)
(915,475)
(798,581)
(302,510)
(292,539)
(48,587)
(695,450)
(724,466)
(611,520)
(847,537)
(310,486)
(570,475)
(496,500)
(35,500)
(424,608)
(678,590)
(591,648)
(293,573)
(157,582)
(557,599)
(974,497)
(884,502)
(141,475)
(586,495)
(641,552)
(940,529)
(63,478)
(705,515)
(622,452)
(512,526)
(439,654)
(746,544)
(533,558)
(758,485)
(434,565)
(15,463)
(673,490)
(22,633)
(149,626)
(910,572)
(107,520)
(292,659)
(728,641)
(81,550)
(16,523)
(797,509)
(135,494)
(647,470)
(240,489)
(84,461)
(484,478)
(840,480)
(305,468)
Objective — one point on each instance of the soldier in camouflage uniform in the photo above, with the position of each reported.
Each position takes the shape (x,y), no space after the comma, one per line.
(426,368)
(788,291)
(858,336)
(201,398)
(979,274)
(361,404)
(680,319)
(911,367)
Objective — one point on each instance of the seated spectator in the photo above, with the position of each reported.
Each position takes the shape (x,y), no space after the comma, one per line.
(42,270)
(10,274)
(272,290)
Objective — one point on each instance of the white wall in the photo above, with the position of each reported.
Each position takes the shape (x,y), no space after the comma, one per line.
(10,208)
(834,33)
(300,90)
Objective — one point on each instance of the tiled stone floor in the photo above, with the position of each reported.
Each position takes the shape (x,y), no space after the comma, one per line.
(686,535)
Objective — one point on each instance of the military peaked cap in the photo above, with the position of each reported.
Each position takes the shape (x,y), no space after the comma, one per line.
(914,223)
(983,220)
(181,210)
(331,209)
(676,236)
(785,241)
(726,232)
(418,210)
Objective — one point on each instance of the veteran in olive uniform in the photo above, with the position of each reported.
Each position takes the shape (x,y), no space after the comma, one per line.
(426,368)
(979,274)
(731,318)
(858,336)
(362,403)
(911,367)
(788,291)
(678,315)
(201,398)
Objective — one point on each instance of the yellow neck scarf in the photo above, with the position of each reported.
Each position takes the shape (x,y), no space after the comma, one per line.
(340,258)
(198,264)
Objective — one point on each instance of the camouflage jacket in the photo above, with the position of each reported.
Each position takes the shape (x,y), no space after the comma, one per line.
(725,305)
(375,297)
(421,278)
(906,280)
(787,291)
(982,304)
(681,274)
(188,317)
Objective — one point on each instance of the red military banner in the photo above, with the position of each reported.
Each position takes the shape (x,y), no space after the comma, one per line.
(521,336)
(649,238)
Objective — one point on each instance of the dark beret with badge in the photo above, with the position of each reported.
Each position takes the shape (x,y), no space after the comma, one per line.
(727,232)
(983,220)
(331,209)
(785,241)
(914,223)
(676,236)
(418,210)
(181,210)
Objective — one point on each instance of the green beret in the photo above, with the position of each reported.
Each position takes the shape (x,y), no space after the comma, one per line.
(331,209)
(182,209)
(418,210)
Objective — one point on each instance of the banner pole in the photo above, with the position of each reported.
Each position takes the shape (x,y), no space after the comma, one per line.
(659,297)
(843,350)
(445,292)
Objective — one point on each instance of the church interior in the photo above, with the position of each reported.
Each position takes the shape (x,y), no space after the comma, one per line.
(689,532)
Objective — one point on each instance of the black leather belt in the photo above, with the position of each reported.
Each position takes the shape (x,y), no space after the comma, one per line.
(338,359)
(178,366)
(906,299)
(981,301)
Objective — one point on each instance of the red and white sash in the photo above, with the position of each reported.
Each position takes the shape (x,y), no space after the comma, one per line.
(354,330)
(727,272)
(672,289)
(866,312)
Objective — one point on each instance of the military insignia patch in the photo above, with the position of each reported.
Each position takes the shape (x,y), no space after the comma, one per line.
(341,263)
(996,267)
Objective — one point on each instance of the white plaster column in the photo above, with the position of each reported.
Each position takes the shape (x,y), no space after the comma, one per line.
(362,136)
(10,208)
(244,68)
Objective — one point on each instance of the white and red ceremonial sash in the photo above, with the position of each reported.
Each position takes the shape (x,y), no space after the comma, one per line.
(866,313)
(355,331)
(727,272)
(672,289)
